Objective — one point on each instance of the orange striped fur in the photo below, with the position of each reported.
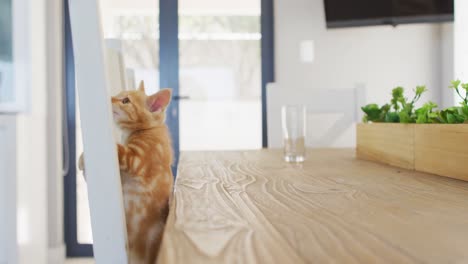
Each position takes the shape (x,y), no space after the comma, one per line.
(145,159)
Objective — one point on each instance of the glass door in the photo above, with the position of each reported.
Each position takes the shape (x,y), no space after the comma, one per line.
(220,74)
(223,57)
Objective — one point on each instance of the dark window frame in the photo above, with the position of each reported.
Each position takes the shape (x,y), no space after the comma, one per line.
(169,70)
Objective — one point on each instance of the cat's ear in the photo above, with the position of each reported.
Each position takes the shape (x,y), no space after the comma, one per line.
(159,101)
(141,87)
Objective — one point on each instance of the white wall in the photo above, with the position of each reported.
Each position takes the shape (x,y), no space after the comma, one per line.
(31,176)
(3,198)
(447,66)
(380,57)
(461,41)
(7,189)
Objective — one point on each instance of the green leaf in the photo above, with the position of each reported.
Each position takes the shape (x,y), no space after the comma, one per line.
(425,114)
(372,112)
(420,90)
(465,100)
(370,108)
(459,118)
(451,118)
(453,115)
(443,117)
(430,105)
(446,115)
(422,119)
(433,117)
(397,97)
(392,117)
(397,92)
(452,109)
(404,117)
(465,86)
(454,84)
(384,110)
(464,111)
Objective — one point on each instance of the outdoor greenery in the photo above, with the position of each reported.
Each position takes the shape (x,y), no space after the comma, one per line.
(402,110)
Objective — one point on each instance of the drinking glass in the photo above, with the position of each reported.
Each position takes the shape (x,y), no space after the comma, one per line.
(293,119)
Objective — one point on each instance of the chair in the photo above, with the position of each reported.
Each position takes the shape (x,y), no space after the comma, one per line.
(115,66)
(120,79)
(323,106)
(103,177)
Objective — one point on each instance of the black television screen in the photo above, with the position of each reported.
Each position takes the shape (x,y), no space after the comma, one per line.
(347,13)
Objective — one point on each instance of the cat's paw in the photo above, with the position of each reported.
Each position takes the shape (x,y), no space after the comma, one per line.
(81,163)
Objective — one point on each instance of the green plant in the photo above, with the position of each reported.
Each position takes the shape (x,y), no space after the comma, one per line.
(456,86)
(407,114)
(452,115)
(374,113)
(402,110)
(456,114)
(426,114)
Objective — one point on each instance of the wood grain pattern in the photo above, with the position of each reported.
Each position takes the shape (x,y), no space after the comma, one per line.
(391,144)
(442,150)
(251,207)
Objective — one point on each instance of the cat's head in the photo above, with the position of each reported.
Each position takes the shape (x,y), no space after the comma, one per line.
(134,110)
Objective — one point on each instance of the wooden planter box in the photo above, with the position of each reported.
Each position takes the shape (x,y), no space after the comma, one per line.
(432,148)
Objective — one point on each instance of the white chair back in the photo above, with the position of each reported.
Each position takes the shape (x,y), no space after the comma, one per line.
(118,77)
(115,66)
(102,167)
(331,114)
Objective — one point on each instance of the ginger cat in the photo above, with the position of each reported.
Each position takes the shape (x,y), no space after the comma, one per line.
(145,159)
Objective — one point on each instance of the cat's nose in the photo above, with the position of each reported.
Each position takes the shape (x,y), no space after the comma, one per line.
(114,100)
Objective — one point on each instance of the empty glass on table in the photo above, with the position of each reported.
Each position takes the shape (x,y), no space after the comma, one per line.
(293,119)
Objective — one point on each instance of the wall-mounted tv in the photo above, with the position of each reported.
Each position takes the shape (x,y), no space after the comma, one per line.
(352,13)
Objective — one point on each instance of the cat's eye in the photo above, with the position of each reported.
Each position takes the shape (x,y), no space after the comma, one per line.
(125,100)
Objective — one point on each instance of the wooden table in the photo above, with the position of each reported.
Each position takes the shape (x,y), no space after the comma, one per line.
(251,207)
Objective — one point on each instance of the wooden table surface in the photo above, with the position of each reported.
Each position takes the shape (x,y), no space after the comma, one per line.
(251,207)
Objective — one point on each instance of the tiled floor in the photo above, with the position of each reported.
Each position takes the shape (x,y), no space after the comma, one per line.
(79,261)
